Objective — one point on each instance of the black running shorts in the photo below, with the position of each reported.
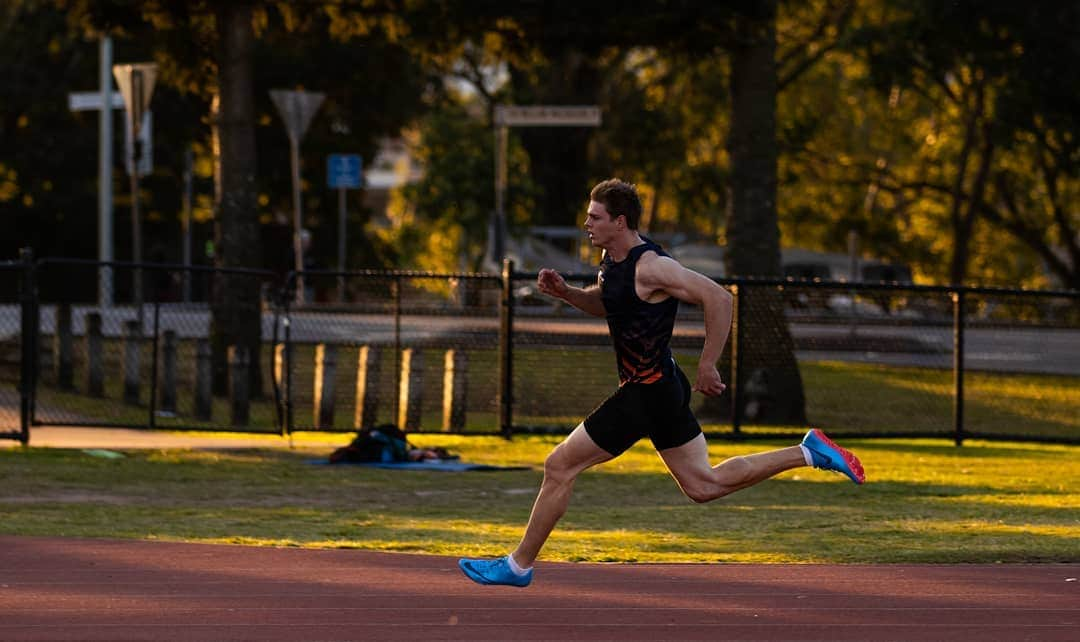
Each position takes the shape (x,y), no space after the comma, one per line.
(659,411)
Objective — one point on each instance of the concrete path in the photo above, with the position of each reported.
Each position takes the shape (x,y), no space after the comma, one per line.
(128,439)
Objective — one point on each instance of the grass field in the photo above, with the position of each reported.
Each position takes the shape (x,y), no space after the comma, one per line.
(925,501)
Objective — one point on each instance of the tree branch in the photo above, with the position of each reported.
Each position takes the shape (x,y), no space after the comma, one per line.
(789,66)
(1029,234)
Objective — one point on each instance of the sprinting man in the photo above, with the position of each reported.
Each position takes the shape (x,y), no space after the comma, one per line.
(638,291)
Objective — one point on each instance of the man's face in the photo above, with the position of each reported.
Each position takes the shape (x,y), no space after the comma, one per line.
(600,225)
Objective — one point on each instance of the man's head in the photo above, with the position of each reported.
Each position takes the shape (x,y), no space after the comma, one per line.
(619,198)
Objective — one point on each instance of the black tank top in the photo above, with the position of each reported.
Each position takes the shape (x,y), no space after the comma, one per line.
(641,331)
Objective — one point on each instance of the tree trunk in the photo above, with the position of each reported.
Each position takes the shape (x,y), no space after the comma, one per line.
(769,374)
(235,308)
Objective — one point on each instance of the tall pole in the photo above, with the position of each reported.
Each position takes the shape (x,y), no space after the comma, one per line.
(186,223)
(297,109)
(136,235)
(341,244)
(105,168)
(298,246)
(499,246)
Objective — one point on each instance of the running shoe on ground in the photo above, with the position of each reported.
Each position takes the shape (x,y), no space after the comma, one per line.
(827,455)
(496,571)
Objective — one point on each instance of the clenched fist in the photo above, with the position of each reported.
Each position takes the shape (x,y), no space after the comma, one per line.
(551,283)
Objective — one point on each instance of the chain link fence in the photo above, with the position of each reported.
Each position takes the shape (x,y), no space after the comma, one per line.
(107,357)
(855,359)
(11,350)
(488,354)
(410,349)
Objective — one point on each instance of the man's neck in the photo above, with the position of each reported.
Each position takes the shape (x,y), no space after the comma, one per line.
(621,245)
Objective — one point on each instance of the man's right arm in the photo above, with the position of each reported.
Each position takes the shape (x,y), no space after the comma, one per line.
(587,300)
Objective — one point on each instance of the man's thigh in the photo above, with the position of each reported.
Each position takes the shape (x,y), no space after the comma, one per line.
(578,452)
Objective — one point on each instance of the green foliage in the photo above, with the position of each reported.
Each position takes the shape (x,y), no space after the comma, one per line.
(47,172)
(37,131)
(944,133)
(440,222)
(991,134)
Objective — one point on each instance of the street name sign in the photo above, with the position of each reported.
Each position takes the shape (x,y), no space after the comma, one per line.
(547,116)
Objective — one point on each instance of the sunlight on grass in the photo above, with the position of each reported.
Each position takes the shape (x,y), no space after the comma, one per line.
(1024,501)
(926,501)
(981,528)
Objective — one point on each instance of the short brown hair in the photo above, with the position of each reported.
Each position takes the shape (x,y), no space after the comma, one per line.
(619,198)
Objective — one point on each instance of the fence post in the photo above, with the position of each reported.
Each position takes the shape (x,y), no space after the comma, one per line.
(279,383)
(28,344)
(132,336)
(325,373)
(397,344)
(204,372)
(62,348)
(958,367)
(95,359)
(454,391)
(168,373)
(367,393)
(410,392)
(288,370)
(154,366)
(506,351)
(736,359)
(239,400)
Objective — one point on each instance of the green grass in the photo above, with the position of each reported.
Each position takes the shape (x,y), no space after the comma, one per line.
(926,501)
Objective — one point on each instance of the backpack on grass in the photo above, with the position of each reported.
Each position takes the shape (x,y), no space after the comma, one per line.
(382,443)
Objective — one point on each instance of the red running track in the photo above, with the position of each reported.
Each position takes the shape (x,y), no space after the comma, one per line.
(81,589)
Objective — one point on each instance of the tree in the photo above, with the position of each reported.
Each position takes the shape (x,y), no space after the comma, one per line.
(753,234)
(236,312)
(440,222)
(573,55)
(43,146)
(212,51)
(986,76)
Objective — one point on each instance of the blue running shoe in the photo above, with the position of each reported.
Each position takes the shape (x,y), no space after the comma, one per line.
(829,456)
(493,572)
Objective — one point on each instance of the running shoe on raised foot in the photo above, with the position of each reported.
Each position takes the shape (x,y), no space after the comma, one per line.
(827,455)
(496,571)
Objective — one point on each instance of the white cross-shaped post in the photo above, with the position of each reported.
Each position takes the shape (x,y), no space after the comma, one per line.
(89,101)
(105,204)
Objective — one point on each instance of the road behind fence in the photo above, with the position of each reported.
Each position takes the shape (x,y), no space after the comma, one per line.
(487,354)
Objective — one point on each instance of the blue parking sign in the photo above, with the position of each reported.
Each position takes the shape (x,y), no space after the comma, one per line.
(343,171)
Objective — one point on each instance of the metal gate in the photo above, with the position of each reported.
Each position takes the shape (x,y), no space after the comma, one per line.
(16,302)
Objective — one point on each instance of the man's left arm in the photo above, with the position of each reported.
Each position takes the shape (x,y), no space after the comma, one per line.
(668,275)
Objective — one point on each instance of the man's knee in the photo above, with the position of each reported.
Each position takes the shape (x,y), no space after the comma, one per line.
(701,493)
(557,469)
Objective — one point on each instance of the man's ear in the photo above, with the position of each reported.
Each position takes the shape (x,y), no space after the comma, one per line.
(620,221)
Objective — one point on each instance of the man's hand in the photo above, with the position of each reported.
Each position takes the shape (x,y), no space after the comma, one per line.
(708,381)
(552,283)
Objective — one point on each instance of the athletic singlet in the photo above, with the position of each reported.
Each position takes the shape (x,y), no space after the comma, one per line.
(641,331)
